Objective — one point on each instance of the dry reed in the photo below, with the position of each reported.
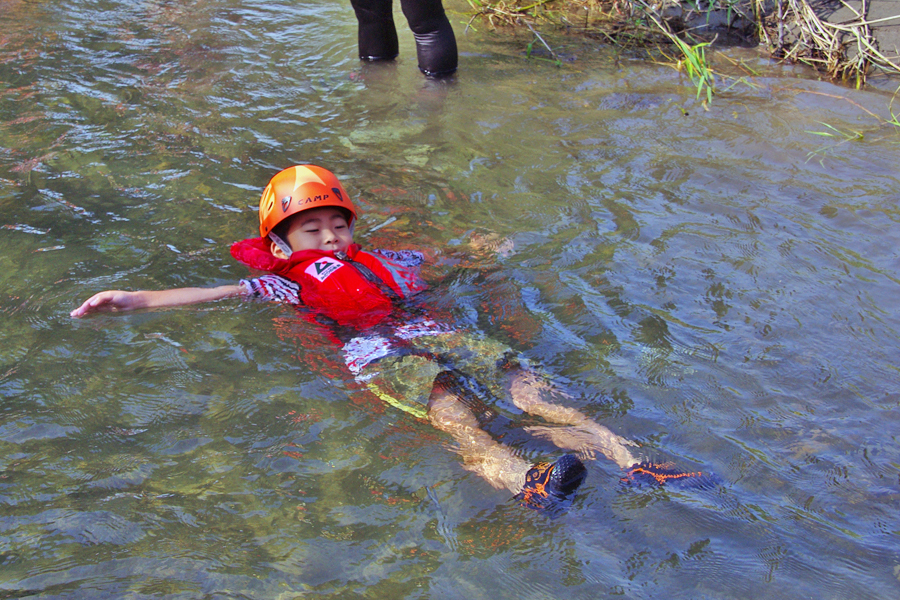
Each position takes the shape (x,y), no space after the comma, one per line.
(790,29)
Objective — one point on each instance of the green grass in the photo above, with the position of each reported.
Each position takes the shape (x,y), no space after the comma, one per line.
(697,67)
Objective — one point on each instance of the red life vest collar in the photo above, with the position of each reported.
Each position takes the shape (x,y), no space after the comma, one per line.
(256,254)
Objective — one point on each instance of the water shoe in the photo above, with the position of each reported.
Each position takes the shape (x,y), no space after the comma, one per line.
(550,487)
(666,473)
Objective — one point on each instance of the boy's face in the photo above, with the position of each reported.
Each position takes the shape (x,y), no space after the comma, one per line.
(323,228)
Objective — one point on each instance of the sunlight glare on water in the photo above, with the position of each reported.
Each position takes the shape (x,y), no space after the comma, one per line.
(717,285)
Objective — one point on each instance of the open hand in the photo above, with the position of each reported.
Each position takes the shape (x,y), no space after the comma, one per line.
(108,301)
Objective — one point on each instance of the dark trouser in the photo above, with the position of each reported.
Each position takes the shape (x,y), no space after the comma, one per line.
(435,42)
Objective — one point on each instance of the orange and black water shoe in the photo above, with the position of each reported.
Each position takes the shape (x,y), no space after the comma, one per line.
(666,474)
(550,487)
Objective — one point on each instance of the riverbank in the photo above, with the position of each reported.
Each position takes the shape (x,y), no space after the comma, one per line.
(849,41)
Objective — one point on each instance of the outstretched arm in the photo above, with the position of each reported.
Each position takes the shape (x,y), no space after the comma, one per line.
(121,301)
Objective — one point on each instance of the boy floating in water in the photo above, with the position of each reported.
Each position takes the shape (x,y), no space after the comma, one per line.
(367,301)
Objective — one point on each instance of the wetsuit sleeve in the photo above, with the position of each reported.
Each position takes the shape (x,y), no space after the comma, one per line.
(272,287)
(404,258)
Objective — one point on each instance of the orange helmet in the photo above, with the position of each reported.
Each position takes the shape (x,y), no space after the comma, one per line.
(300,188)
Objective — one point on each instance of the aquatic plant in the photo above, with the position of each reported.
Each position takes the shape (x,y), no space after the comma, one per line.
(697,67)
(693,61)
(845,135)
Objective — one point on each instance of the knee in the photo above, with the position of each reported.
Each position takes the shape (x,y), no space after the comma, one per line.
(425,16)
(372,11)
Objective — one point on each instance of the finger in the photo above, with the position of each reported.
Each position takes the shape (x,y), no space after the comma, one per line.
(89,305)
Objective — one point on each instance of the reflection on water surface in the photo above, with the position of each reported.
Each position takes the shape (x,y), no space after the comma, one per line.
(716,285)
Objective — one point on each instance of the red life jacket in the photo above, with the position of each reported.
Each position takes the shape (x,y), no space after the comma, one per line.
(343,289)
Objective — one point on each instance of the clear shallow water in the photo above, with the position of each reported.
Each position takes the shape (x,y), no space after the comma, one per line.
(718,286)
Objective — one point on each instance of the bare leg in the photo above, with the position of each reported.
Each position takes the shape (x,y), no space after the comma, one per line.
(582,434)
(491,460)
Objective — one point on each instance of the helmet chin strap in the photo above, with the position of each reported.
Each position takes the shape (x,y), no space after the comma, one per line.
(282,245)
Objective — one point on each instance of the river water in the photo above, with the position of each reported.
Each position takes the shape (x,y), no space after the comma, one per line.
(719,286)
